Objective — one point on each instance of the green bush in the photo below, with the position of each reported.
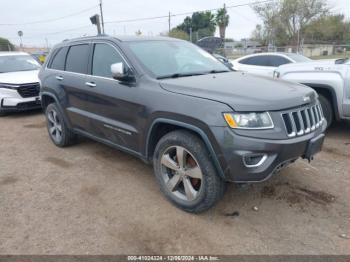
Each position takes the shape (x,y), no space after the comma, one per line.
(6,45)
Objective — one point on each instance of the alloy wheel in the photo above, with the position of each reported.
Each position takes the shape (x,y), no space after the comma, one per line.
(181,173)
(55,126)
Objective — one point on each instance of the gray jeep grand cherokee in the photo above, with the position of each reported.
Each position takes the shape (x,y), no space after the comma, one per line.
(172,104)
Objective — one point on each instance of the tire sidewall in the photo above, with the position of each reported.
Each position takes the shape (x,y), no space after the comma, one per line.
(196,149)
(53,107)
(327,109)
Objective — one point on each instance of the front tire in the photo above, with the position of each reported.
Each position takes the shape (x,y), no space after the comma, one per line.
(59,133)
(327,109)
(185,172)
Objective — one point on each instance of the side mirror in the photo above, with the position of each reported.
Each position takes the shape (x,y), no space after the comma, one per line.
(121,73)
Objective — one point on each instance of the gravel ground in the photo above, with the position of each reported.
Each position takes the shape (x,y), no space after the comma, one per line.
(91,199)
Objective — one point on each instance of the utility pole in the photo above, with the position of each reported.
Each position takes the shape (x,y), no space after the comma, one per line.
(20,34)
(103,23)
(47,44)
(298,41)
(191,34)
(169,22)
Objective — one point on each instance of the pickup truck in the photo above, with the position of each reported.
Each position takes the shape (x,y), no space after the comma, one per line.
(329,78)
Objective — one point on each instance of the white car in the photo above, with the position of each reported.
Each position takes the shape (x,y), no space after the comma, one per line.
(19,82)
(266,63)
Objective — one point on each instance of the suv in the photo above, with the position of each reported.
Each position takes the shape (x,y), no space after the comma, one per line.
(19,82)
(172,104)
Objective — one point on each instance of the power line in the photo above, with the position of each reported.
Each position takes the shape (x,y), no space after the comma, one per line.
(53,19)
(182,14)
(140,19)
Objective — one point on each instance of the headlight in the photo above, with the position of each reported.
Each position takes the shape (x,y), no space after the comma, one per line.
(249,120)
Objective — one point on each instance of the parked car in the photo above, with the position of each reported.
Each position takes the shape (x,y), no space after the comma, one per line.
(266,63)
(19,82)
(224,60)
(172,104)
(329,78)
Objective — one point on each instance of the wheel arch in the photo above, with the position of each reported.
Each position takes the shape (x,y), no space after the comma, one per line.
(329,93)
(153,137)
(48,98)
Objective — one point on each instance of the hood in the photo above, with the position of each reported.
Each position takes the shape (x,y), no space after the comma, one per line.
(316,63)
(21,77)
(242,92)
(319,66)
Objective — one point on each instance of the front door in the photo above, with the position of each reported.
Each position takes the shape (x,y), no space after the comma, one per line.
(113,105)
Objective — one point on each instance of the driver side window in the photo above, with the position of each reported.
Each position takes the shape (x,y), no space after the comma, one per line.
(103,57)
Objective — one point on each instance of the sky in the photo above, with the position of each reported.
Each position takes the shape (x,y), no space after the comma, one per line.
(37,19)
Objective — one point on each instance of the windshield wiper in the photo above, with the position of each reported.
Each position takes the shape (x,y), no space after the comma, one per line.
(218,71)
(177,75)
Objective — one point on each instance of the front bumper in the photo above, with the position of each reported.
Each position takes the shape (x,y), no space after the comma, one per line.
(275,154)
(11,101)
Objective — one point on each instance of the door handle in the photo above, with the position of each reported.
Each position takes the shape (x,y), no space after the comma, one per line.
(60,78)
(90,84)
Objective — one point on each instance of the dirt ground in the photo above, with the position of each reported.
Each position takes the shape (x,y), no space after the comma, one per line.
(91,199)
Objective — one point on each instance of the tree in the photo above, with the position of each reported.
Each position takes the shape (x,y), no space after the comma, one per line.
(176,33)
(200,24)
(270,15)
(138,33)
(297,14)
(328,28)
(259,35)
(286,20)
(222,19)
(6,45)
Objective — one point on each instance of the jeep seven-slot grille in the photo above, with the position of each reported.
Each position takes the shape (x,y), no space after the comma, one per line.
(29,90)
(303,121)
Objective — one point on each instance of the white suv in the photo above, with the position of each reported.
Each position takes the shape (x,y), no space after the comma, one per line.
(19,82)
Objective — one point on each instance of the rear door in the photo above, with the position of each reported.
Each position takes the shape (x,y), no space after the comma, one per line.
(74,84)
(112,105)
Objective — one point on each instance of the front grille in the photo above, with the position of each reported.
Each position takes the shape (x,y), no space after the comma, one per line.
(303,121)
(29,90)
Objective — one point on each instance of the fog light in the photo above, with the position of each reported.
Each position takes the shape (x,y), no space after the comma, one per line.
(255,160)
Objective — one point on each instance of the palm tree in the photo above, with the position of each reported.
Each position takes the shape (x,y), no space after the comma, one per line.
(222,19)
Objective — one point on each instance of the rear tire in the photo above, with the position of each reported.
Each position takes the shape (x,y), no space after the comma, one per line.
(192,183)
(327,109)
(57,128)
(2,113)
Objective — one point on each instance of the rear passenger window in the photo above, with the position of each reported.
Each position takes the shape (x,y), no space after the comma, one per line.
(59,59)
(277,61)
(104,56)
(77,59)
(257,61)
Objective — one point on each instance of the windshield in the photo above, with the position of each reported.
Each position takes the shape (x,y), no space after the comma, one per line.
(15,63)
(175,58)
(299,58)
